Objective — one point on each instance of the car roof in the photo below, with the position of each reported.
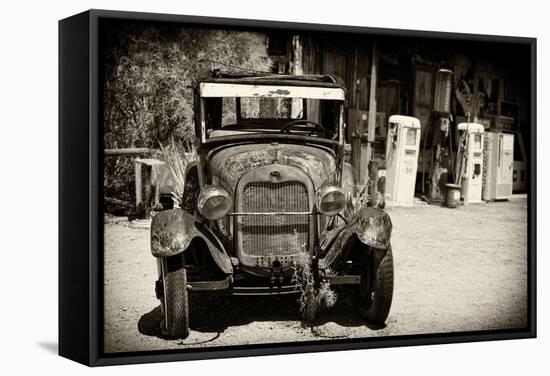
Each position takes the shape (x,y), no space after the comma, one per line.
(327,81)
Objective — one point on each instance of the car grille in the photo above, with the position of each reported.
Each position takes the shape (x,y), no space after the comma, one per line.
(274,235)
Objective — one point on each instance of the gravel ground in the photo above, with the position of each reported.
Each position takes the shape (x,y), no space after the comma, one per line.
(455,270)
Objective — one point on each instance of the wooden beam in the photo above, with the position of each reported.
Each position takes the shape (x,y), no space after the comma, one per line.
(126,152)
(117,202)
(147,201)
(297,69)
(297,55)
(139,201)
(475,95)
(371,123)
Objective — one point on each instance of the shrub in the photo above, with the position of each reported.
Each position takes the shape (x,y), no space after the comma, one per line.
(313,299)
(148,85)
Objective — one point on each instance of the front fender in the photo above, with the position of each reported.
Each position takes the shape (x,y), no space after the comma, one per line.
(372,227)
(172,232)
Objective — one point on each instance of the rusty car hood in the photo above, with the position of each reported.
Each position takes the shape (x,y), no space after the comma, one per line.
(230,163)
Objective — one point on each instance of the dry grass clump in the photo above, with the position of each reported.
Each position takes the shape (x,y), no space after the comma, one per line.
(361,197)
(313,299)
(177,158)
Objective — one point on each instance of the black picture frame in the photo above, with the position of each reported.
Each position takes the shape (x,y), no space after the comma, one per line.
(80,198)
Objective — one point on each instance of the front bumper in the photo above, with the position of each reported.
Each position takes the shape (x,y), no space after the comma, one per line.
(228,286)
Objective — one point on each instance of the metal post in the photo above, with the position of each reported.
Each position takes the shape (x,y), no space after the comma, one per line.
(356,126)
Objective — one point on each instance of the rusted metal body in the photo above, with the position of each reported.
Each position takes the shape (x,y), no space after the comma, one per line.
(230,164)
(273,181)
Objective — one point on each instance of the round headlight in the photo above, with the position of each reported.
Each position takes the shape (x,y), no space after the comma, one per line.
(331,200)
(213,202)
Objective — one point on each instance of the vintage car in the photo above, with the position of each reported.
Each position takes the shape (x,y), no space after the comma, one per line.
(270,185)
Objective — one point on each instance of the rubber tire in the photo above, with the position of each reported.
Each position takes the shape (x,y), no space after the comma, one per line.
(376,310)
(176,304)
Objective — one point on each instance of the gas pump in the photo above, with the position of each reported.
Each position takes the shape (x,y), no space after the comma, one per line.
(499,162)
(402,148)
(470,164)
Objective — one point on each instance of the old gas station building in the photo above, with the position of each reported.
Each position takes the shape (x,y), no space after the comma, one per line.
(442,83)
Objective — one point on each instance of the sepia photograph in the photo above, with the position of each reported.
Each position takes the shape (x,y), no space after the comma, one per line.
(277,185)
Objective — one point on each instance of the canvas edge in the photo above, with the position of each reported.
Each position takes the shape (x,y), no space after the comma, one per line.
(73,258)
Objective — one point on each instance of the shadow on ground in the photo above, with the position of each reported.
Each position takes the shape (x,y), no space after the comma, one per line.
(214,314)
(51,347)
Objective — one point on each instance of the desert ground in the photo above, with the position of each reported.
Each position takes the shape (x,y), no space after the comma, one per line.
(455,270)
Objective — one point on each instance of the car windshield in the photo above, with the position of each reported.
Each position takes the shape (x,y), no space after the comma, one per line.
(272,113)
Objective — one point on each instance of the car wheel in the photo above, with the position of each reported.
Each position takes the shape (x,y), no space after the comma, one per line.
(176,300)
(376,290)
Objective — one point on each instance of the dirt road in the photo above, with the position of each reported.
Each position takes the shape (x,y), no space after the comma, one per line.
(455,270)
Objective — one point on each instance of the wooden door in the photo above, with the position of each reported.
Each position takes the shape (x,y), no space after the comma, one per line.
(338,62)
(388,102)
(424,81)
